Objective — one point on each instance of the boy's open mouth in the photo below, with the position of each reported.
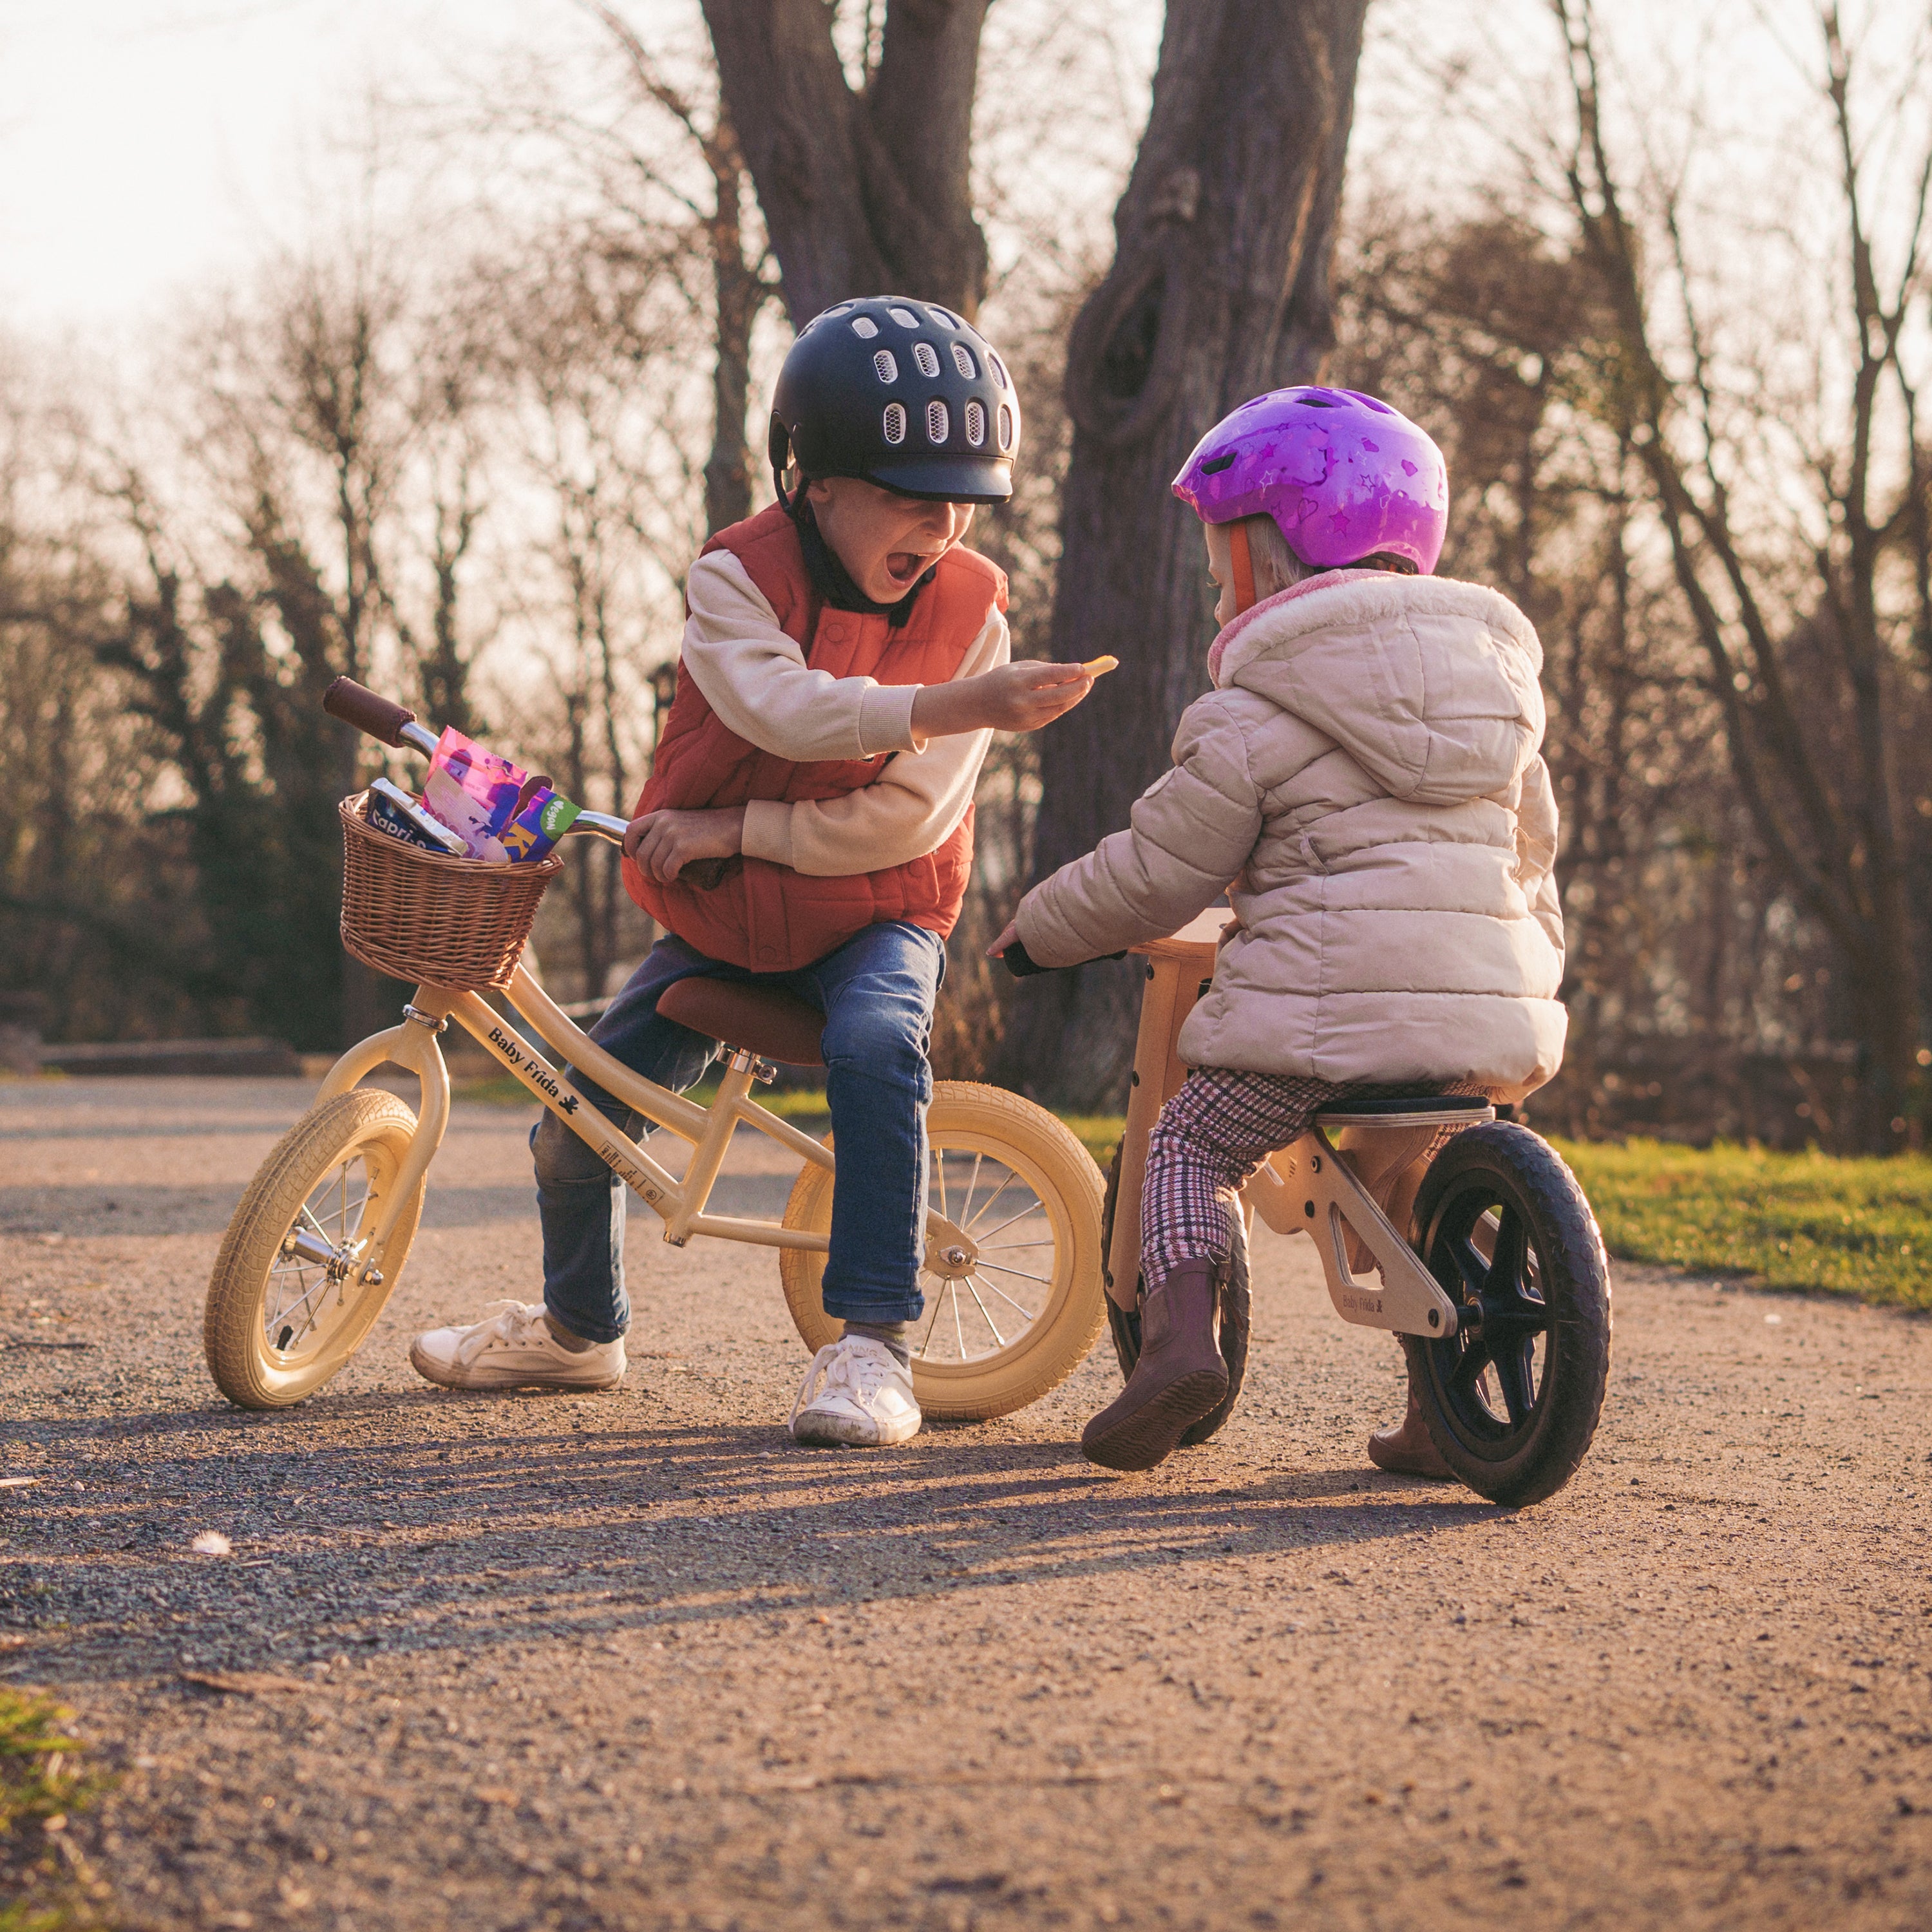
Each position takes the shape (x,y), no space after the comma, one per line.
(905,567)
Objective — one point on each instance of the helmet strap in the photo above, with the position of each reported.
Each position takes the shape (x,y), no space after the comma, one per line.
(1244,567)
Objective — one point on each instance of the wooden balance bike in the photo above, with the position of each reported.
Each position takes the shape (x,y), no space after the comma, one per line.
(318,1245)
(1488,1263)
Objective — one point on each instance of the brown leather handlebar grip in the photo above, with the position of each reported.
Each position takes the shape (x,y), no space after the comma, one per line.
(355,704)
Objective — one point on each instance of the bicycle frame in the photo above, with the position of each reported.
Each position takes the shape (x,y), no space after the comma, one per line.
(1315,1187)
(414,1045)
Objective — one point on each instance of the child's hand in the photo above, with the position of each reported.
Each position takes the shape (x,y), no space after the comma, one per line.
(663,843)
(1005,939)
(1015,697)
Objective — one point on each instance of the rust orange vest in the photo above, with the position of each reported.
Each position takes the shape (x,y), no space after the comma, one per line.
(767,917)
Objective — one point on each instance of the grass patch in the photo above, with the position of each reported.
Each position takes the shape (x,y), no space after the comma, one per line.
(495,1090)
(43,1783)
(1099,1134)
(1806,1221)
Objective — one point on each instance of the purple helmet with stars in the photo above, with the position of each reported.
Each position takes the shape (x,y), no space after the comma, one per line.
(1343,475)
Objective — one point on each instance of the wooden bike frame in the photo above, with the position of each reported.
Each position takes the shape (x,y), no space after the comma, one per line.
(1322,1189)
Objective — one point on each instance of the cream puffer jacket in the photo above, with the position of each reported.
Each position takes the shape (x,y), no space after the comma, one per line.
(1368,765)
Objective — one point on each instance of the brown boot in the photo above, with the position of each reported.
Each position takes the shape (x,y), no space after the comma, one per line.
(1406,1449)
(1179,1377)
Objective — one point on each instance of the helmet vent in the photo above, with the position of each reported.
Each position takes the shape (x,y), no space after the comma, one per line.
(888,369)
(999,370)
(975,422)
(864,325)
(962,361)
(895,423)
(903,317)
(1005,427)
(841,308)
(1215,465)
(923,354)
(937,425)
(944,317)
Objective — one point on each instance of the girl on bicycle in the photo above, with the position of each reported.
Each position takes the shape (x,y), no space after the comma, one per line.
(1366,770)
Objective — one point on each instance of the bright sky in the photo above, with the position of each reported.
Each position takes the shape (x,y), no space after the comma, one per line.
(147,145)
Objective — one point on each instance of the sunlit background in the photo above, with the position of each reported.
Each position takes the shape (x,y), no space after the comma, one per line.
(194,198)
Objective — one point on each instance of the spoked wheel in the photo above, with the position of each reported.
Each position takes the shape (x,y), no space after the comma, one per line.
(1231,1321)
(288,1302)
(1013,1287)
(1512,1399)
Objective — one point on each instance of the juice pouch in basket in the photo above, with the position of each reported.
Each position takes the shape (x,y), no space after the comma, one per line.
(474,793)
(546,816)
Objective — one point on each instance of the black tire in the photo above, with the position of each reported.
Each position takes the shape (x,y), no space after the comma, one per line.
(1512,1402)
(1124,1324)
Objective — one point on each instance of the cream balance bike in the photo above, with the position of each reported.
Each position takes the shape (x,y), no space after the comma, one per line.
(1013,1242)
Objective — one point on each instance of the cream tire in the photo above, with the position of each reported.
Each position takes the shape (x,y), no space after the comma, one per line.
(997,1333)
(276,1327)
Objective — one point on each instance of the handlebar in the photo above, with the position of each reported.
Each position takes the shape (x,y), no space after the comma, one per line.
(389,723)
(381,718)
(1021,965)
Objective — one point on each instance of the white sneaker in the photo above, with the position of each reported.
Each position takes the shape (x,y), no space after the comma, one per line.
(512,1347)
(856,1393)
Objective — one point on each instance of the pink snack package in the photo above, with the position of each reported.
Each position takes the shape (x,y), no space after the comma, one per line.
(474,793)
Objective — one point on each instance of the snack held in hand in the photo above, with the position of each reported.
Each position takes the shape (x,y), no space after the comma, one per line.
(1100,666)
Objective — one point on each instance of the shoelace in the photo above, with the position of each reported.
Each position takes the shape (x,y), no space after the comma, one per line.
(502,1321)
(844,1367)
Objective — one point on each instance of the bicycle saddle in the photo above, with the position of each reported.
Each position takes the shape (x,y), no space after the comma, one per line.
(774,1024)
(1386,1108)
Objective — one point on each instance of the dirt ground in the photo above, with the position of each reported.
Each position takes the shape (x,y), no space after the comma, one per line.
(632,1660)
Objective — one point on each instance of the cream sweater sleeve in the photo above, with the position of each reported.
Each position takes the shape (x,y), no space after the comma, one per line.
(756,679)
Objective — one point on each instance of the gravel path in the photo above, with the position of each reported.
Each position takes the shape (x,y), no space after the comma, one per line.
(632,1660)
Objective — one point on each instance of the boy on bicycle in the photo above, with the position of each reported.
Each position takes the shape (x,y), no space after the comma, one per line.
(1366,771)
(808,826)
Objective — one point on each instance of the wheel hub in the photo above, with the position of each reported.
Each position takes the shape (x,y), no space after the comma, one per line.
(951,1253)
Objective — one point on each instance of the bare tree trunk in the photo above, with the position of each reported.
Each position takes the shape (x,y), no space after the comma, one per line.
(739,292)
(739,288)
(863,192)
(1220,290)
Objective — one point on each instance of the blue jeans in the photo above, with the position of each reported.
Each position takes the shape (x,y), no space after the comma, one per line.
(877,993)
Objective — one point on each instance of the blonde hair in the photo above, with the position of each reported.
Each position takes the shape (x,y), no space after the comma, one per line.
(1277,568)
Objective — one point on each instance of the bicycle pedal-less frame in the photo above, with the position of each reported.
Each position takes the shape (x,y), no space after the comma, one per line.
(1316,1186)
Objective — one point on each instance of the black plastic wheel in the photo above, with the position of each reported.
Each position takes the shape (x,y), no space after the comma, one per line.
(1231,1336)
(1512,1399)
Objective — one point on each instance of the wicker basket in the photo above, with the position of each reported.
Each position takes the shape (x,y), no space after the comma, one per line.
(419,916)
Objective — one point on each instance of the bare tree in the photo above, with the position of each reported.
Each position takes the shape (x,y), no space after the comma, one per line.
(592,375)
(1807,654)
(317,522)
(739,285)
(1219,289)
(864,190)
